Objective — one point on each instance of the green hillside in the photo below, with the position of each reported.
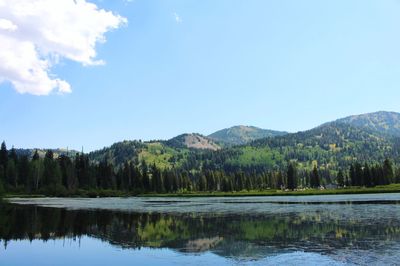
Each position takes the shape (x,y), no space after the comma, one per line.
(155,152)
(330,146)
(384,122)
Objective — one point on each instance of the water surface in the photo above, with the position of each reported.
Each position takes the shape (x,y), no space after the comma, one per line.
(307,230)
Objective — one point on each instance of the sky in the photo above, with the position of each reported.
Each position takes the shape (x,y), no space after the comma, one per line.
(90,73)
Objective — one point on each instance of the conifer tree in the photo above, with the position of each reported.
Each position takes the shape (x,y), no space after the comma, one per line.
(352,175)
(387,172)
(146,178)
(52,173)
(340,179)
(3,156)
(359,174)
(11,174)
(367,177)
(23,170)
(68,175)
(35,175)
(315,178)
(291,177)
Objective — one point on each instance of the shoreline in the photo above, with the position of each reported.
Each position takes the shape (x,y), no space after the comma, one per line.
(310,192)
(394,188)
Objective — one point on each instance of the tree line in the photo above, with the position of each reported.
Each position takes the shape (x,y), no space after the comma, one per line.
(63,175)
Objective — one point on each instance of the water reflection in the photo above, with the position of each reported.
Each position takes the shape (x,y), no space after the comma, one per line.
(227,235)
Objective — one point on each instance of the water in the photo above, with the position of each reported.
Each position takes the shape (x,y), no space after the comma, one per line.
(309,230)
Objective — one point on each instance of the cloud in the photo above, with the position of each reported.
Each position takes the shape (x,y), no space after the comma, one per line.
(7,25)
(178,19)
(35,34)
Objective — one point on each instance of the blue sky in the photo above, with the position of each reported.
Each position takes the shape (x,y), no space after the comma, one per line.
(200,66)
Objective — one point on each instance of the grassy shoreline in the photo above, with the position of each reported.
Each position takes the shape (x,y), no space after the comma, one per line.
(394,188)
(308,192)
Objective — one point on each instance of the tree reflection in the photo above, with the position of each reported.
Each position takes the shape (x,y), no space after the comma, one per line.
(226,235)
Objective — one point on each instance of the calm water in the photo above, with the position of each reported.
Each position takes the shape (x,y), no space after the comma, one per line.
(315,230)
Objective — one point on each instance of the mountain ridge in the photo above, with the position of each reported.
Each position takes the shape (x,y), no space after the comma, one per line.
(331,145)
(240,134)
(382,121)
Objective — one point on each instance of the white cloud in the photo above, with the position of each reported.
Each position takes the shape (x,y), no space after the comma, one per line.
(7,25)
(34,34)
(178,19)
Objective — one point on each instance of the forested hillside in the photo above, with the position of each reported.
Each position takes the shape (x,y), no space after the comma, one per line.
(383,122)
(343,152)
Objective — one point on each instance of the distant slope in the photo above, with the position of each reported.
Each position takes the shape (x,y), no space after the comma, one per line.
(154,152)
(383,122)
(331,145)
(42,152)
(119,152)
(239,135)
(193,141)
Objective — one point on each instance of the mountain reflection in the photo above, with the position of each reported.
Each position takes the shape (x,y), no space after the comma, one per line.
(225,235)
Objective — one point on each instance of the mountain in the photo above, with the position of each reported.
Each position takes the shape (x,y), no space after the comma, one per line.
(383,122)
(332,146)
(239,135)
(193,141)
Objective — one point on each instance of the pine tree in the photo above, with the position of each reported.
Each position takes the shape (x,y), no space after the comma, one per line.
(352,175)
(291,177)
(156,181)
(3,156)
(82,172)
(387,172)
(239,181)
(11,174)
(378,176)
(137,179)
(13,155)
(35,156)
(202,183)
(52,174)
(340,178)
(397,177)
(23,171)
(3,162)
(35,175)
(126,177)
(359,174)
(146,178)
(279,177)
(315,179)
(68,174)
(2,178)
(367,177)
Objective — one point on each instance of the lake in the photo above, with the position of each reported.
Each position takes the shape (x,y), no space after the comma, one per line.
(304,230)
